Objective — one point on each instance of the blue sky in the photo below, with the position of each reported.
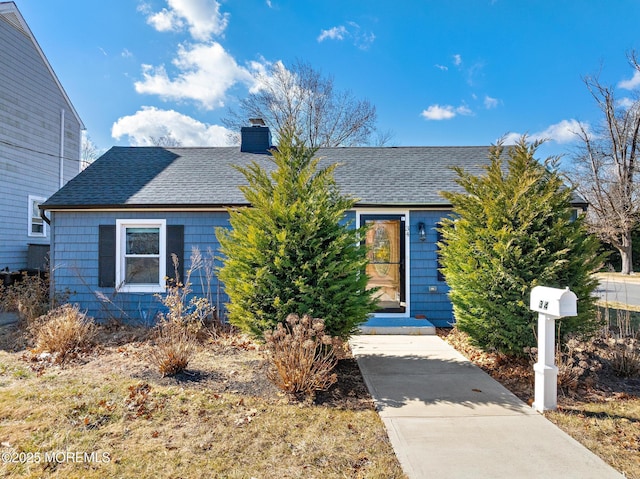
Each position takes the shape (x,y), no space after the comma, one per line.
(463,72)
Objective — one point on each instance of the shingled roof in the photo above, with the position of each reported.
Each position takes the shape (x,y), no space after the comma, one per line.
(132,177)
(143,177)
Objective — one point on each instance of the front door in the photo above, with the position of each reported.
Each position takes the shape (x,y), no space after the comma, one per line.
(386,268)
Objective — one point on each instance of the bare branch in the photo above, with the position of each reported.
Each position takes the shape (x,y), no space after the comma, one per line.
(300,99)
(606,166)
(89,152)
(165,141)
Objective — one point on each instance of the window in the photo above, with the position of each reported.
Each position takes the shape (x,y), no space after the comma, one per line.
(140,255)
(37,226)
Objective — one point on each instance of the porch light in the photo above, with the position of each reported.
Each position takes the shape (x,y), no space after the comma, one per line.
(422,231)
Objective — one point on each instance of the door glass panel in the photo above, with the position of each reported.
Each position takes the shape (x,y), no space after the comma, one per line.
(385,268)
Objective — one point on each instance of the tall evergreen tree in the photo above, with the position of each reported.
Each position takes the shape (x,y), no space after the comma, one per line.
(513,230)
(291,251)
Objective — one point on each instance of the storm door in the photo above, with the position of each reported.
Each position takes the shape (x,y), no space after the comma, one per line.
(386,268)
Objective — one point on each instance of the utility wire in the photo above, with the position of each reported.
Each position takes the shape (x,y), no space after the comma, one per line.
(13,145)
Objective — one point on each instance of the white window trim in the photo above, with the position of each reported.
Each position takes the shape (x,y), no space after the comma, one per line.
(121,226)
(30,232)
(407,255)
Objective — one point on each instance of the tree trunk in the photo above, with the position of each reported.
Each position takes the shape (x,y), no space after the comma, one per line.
(626,254)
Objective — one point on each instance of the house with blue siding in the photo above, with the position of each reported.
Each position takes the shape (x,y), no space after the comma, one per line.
(115,226)
(40,141)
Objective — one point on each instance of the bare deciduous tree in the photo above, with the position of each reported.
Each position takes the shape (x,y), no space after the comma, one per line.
(89,152)
(606,165)
(300,99)
(166,141)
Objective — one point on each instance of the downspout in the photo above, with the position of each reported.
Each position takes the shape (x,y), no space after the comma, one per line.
(44,217)
(61,148)
(52,289)
(80,153)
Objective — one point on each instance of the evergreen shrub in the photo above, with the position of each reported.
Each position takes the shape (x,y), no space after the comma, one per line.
(291,251)
(512,229)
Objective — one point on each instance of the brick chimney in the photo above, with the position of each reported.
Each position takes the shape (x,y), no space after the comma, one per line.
(255,138)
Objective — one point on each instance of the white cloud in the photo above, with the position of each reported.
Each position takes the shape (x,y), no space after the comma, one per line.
(445,112)
(441,67)
(361,39)
(364,40)
(206,72)
(563,132)
(437,112)
(126,53)
(335,33)
(464,110)
(152,122)
(264,74)
(457,59)
(632,83)
(511,138)
(490,103)
(473,72)
(202,17)
(626,102)
(165,21)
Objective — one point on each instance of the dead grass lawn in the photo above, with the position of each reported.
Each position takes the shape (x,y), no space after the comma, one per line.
(610,428)
(220,419)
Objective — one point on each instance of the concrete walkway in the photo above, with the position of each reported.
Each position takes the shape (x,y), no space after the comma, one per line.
(446,418)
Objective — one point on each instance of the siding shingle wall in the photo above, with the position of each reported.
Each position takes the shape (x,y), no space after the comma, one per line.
(75,263)
(30,105)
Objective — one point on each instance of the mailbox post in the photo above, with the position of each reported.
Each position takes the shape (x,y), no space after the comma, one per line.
(551,304)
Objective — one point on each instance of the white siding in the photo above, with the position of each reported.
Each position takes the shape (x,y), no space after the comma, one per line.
(30,104)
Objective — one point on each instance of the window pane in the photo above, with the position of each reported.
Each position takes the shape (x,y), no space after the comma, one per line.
(142,270)
(143,241)
(37,226)
(35,209)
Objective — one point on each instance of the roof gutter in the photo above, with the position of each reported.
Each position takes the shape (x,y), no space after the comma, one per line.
(159,207)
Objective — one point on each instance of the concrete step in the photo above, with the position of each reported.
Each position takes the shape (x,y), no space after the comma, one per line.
(410,326)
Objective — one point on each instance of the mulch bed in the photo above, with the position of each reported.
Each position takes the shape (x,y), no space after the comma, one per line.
(517,375)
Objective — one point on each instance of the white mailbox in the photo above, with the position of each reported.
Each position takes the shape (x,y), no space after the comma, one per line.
(554,301)
(551,304)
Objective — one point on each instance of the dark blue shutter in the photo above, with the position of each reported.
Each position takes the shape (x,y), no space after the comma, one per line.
(107,256)
(175,244)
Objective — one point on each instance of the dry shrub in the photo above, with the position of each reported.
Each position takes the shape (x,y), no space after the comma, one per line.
(29,297)
(195,313)
(302,356)
(173,346)
(578,364)
(62,331)
(186,319)
(625,357)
